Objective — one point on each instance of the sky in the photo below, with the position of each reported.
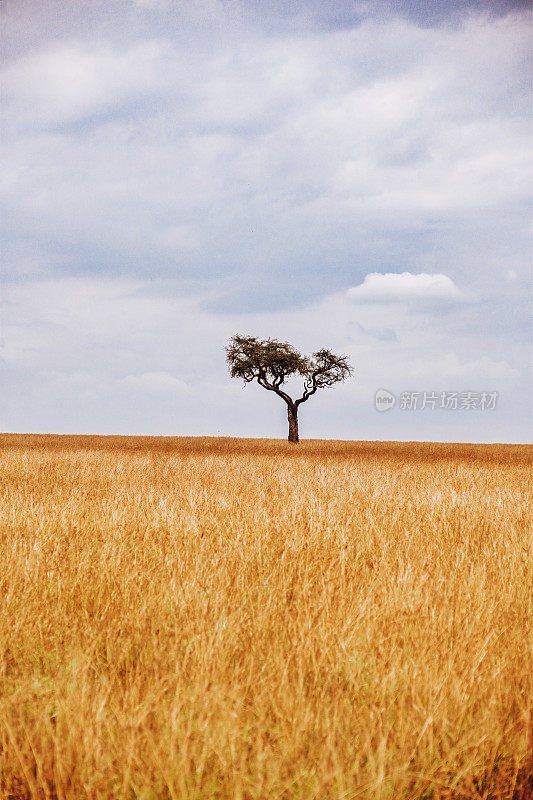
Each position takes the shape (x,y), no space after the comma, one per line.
(349,175)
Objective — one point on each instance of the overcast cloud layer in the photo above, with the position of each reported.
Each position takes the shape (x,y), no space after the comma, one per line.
(348,175)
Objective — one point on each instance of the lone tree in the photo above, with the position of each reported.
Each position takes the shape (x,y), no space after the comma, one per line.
(270,363)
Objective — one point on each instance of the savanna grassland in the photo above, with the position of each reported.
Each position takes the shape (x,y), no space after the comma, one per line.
(224,618)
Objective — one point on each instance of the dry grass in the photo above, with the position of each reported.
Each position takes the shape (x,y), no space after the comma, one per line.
(210,618)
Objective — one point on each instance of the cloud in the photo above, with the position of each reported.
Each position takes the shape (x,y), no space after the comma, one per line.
(274,169)
(74,80)
(403,286)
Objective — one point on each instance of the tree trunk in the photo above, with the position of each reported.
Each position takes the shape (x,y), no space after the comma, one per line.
(292,416)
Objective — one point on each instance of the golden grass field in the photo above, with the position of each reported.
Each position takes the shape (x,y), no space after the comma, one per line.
(230,618)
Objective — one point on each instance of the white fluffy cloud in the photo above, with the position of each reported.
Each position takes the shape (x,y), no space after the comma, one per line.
(402,286)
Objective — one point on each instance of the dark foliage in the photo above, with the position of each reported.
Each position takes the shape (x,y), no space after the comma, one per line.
(270,363)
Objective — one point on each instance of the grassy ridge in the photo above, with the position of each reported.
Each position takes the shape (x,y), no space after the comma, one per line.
(225,618)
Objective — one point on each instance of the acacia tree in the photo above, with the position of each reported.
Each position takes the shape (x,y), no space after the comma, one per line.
(270,363)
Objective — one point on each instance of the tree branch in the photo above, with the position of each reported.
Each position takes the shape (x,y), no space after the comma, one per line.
(306,395)
(310,387)
(262,381)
